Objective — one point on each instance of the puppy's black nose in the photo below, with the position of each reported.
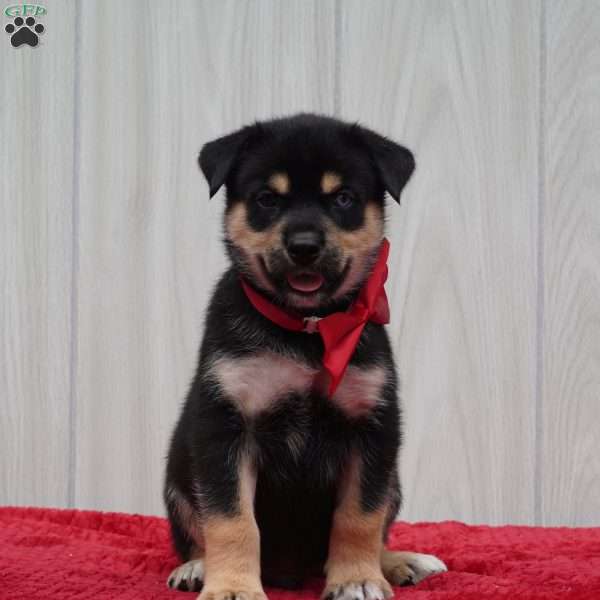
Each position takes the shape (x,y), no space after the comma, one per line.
(304,247)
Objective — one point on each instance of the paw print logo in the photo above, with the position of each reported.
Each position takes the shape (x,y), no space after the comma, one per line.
(24,32)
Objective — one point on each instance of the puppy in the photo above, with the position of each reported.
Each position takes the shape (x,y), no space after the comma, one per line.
(283,464)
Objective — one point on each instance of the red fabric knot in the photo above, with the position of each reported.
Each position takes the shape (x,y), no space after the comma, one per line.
(340,331)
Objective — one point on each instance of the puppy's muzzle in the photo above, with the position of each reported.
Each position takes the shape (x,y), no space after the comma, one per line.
(304,247)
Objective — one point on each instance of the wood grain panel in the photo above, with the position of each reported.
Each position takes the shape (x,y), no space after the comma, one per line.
(570,467)
(149,246)
(36,174)
(458,83)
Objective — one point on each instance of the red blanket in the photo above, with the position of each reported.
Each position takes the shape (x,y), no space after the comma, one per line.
(59,554)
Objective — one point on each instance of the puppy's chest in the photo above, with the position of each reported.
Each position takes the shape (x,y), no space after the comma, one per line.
(260,382)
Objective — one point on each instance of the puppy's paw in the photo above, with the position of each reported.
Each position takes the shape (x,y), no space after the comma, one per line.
(187,577)
(369,589)
(408,568)
(238,592)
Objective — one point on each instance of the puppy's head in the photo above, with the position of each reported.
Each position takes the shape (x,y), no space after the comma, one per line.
(305,203)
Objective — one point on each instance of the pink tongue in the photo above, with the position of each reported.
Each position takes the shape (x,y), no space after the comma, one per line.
(306,282)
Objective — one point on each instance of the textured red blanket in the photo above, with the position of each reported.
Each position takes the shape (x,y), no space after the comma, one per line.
(59,554)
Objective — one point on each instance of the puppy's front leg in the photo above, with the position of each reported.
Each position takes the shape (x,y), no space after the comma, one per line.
(232,559)
(354,562)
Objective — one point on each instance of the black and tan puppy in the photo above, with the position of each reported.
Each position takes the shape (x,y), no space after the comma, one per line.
(270,478)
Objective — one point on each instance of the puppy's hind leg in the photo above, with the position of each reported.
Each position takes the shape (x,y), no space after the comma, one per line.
(408,568)
(188,541)
(188,577)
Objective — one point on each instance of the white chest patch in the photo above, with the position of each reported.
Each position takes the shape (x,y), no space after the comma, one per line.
(360,390)
(255,382)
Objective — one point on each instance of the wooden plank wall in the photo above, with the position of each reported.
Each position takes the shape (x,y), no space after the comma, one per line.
(570,307)
(149,241)
(464,280)
(109,246)
(36,263)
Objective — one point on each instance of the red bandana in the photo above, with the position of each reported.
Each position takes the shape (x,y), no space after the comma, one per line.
(340,331)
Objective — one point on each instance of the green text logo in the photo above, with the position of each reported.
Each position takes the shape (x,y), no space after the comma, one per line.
(25,10)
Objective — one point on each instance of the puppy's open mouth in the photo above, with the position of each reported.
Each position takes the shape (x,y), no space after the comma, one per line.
(305,282)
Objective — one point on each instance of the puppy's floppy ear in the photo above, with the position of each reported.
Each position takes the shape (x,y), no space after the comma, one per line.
(218,157)
(394,163)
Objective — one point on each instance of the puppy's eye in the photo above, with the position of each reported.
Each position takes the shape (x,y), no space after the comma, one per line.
(267,199)
(343,200)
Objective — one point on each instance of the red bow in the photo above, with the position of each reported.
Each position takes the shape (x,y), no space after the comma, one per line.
(340,331)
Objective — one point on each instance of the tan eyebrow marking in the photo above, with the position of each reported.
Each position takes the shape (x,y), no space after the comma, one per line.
(280,183)
(330,182)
